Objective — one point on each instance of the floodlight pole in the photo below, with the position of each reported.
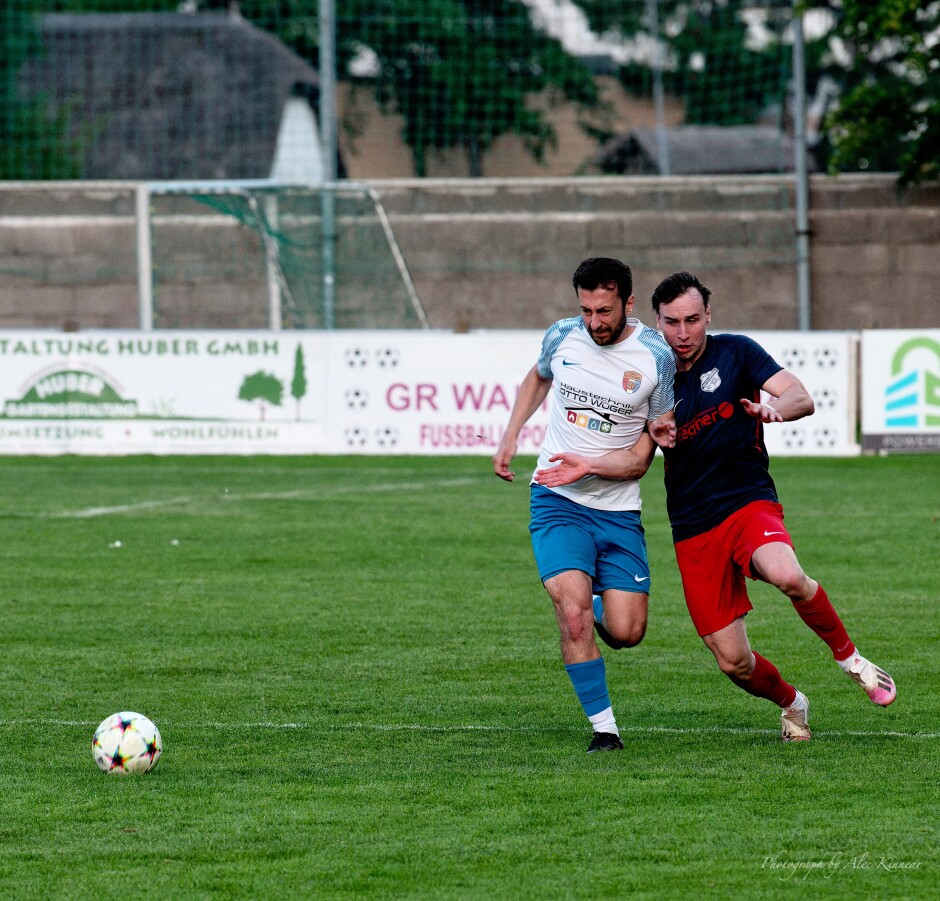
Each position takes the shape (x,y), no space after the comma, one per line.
(801,172)
(659,102)
(328,143)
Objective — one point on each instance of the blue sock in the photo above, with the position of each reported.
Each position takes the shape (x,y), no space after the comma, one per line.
(590,685)
(598,609)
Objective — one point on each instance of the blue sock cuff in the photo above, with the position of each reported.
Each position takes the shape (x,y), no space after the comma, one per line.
(590,684)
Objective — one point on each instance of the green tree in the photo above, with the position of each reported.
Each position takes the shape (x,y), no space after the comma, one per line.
(461,73)
(34,143)
(464,72)
(887,116)
(709,60)
(298,385)
(262,387)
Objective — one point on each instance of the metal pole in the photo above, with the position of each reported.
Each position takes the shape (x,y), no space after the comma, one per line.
(659,104)
(268,224)
(144,258)
(801,172)
(329,150)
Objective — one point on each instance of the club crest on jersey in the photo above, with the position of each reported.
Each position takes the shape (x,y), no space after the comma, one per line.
(632,381)
(711,381)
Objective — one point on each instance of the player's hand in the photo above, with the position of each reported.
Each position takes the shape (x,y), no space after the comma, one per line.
(663,432)
(763,412)
(570,468)
(502,460)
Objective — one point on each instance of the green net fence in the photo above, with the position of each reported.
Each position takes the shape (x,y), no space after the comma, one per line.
(220,94)
(198,89)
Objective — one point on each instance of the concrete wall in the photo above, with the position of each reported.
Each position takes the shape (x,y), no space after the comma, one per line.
(499,253)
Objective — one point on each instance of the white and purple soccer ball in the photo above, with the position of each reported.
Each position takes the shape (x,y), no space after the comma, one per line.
(127,742)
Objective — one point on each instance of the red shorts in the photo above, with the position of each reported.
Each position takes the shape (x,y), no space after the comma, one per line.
(714,565)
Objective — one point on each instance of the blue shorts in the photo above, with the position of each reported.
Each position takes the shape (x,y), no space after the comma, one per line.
(608,545)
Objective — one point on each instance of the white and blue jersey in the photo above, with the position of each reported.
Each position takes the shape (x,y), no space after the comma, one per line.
(602,397)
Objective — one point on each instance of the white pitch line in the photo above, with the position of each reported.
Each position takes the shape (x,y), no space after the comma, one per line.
(476,727)
(330,491)
(308,494)
(89,512)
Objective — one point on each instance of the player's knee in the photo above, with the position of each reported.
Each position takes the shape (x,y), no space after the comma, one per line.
(792,582)
(736,668)
(575,625)
(631,634)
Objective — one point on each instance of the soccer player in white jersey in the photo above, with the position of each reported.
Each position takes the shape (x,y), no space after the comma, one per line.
(609,374)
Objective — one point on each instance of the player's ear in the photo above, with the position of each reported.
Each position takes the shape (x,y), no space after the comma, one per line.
(628,303)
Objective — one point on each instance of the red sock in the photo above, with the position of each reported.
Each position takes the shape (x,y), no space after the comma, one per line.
(765,682)
(822,618)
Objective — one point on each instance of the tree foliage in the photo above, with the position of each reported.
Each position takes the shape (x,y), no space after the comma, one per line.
(463,72)
(33,142)
(709,60)
(887,117)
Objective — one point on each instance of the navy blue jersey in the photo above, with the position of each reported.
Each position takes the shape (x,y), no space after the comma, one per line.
(719,463)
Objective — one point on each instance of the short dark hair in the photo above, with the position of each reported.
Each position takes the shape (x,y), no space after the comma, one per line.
(676,285)
(599,271)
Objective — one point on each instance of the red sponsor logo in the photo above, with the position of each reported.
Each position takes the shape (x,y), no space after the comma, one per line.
(705,419)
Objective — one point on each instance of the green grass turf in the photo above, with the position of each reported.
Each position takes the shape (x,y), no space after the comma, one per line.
(356,674)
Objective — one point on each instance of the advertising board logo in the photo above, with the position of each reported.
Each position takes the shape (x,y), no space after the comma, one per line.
(70,393)
(912,398)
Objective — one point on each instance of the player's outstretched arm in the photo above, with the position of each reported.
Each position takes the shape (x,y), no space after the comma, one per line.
(791,400)
(626,463)
(532,393)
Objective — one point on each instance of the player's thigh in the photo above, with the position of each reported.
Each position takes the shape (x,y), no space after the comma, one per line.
(561,535)
(622,560)
(713,585)
(760,543)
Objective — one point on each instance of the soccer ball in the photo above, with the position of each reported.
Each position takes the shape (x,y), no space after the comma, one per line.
(126,742)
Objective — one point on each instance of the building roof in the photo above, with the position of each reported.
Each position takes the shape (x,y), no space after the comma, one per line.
(168,95)
(700,150)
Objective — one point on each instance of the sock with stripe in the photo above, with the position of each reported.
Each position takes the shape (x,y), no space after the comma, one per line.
(819,614)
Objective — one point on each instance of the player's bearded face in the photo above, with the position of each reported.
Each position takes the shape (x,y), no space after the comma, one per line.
(605,333)
(605,314)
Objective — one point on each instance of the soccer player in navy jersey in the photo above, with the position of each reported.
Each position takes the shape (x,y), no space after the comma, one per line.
(726,520)
(609,375)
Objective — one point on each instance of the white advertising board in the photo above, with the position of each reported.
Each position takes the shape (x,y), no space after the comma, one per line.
(430,393)
(306,392)
(901,390)
(826,364)
(160,392)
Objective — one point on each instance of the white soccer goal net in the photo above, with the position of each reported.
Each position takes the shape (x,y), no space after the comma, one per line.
(264,255)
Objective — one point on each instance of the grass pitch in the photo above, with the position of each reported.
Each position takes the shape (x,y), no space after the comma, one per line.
(356,674)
